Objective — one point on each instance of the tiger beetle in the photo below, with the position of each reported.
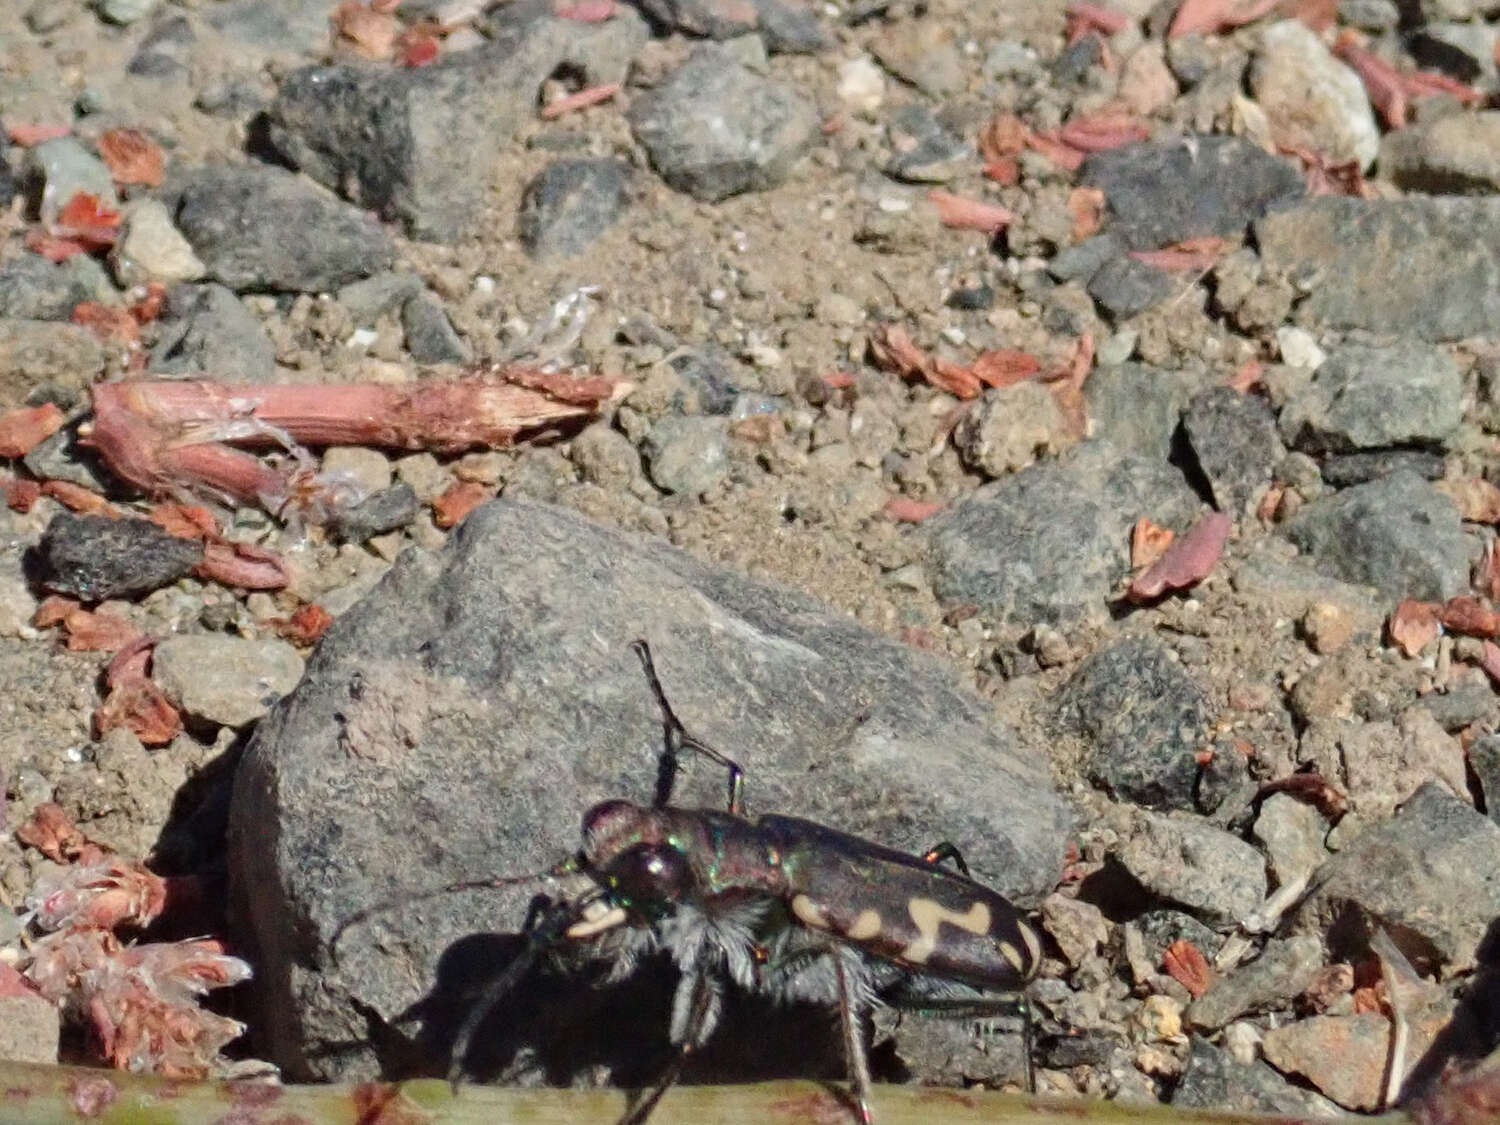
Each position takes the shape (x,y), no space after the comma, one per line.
(779,906)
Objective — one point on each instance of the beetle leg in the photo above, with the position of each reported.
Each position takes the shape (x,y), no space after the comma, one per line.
(946,850)
(695,1011)
(851,1016)
(675,735)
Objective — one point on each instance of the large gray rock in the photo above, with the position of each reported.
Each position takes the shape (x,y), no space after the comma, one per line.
(1398,534)
(262,228)
(1430,877)
(1445,283)
(1136,407)
(461,719)
(1049,543)
(1365,397)
(394,139)
(714,129)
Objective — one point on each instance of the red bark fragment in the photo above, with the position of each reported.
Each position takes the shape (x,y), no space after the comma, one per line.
(1309,788)
(77,498)
(109,324)
(93,631)
(139,706)
(1100,132)
(906,509)
(28,136)
(24,429)
(132,157)
(1187,561)
(1470,617)
(451,508)
(1413,626)
(306,625)
(242,565)
(582,99)
(969,214)
(1193,254)
(1186,964)
(1148,542)
(1210,16)
(22,495)
(52,832)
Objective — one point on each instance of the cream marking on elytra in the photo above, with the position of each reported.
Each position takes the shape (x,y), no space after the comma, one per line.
(929,915)
(1033,945)
(807,912)
(1013,955)
(606,921)
(863,928)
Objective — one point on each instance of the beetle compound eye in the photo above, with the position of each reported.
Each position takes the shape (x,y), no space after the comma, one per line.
(651,872)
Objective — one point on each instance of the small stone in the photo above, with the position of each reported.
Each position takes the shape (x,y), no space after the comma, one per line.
(1126,287)
(1370,15)
(150,248)
(1312,100)
(1283,971)
(1399,534)
(923,150)
(225,680)
(1465,51)
(1083,260)
(1299,348)
(1078,927)
(378,513)
(570,204)
(1163,192)
(713,129)
(1213,1079)
(1374,397)
(124,12)
(370,299)
(366,470)
(1186,860)
(687,456)
(1449,156)
(1144,720)
(1345,1057)
(1462,705)
(32,288)
(605,457)
(29,1026)
(1430,878)
(48,15)
(37,352)
(1234,440)
(1484,760)
(427,477)
(1011,428)
(208,331)
(430,337)
(259,227)
(1049,543)
(861,85)
(1136,407)
(1292,833)
(924,54)
(93,558)
(17,605)
(1327,627)
(1162,928)
(64,167)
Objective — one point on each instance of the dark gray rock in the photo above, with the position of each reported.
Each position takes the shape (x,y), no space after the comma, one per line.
(368,300)
(1451,155)
(1124,286)
(162,52)
(1137,408)
(1283,971)
(1233,438)
(290,26)
(390,137)
(1430,877)
(714,129)
(1484,760)
(10,185)
(1398,534)
(1144,720)
(1213,1079)
(32,288)
(924,151)
(714,380)
(1162,927)
(1161,192)
(430,337)
(1340,251)
(570,204)
(1049,544)
(61,457)
(1084,259)
(688,456)
(208,331)
(262,228)
(462,717)
(93,558)
(786,27)
(58,169)
(1460,706)
(1371,397)
(386,510)
(45,353)
(1186,860)
(1345,469)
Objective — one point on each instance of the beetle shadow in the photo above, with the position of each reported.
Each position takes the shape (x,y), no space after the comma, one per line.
(564,1023)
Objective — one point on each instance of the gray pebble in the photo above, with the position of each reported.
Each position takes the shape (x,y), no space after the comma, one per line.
(226,680)
(688,456)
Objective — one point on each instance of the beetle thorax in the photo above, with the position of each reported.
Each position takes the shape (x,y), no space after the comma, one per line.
(612,827)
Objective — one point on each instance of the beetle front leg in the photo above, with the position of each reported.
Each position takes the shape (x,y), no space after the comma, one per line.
(695,1013)
(675,734)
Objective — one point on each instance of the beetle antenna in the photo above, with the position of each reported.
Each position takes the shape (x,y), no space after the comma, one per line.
(409,897)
